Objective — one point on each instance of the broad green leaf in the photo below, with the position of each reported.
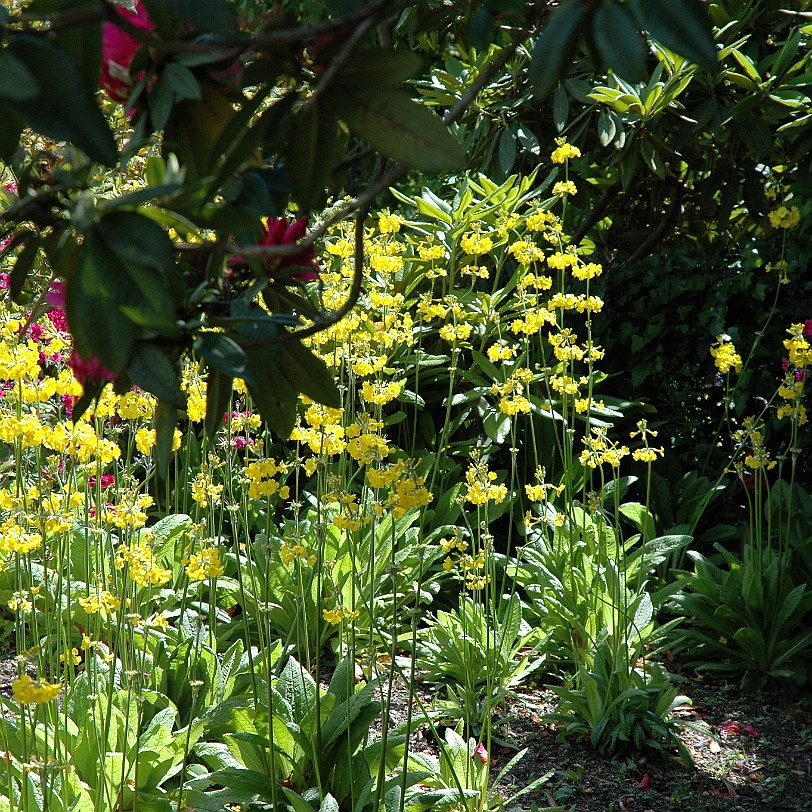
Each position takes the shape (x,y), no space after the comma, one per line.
(307,373)
(203,16)
(11,130)
(152,370)
(16,81)
(684,26)
(97,326)
(23,265)
(555,45)
(401,129)
(561,107)
(193,126)
(223,353)
(618,41)
(64,109)
(311,153)
(378,68)
(275,396)
(164,421)
(182,81)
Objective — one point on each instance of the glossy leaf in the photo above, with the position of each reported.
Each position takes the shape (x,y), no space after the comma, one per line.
(182,81)
(97,326)
(64,109)
(618,41)
(311,154)
(193,126)
(684,26)
(23,265)
(555,45)
(218,397)
(224,354)
(16,81)
(378,68)
(152,370)
(275,397)
(164,421)
(203,16)
(305,370)
(401,129)
(11,130)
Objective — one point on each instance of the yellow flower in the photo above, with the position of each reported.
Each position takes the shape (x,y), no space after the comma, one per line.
(336,615)
(783,217)
(564,151)
(564,187)
(481,488)
(725,356)
(474,243)
(455,332)
(204,564)
(28,692)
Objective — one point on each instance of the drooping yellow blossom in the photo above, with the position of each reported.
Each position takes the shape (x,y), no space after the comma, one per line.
(28,692)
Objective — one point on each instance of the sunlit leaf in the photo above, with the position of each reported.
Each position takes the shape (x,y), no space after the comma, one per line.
(401,129)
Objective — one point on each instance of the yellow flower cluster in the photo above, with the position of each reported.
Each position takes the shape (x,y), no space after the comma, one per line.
(141,567)
(204,564)
(481,485)
(262,481)
(564,151)
(725,356)
(599,450)
(339,613)
(100,601)
(28,692)
(782,217)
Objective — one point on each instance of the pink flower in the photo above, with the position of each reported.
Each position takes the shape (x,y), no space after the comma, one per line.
(481,753)
(279,231)
(643,783)
(56,293)
(118,50)
(808,327)
(5,281)
(106,481)
(88,369)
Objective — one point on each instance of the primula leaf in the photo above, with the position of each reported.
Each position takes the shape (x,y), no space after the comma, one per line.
(401,129)
(64,109)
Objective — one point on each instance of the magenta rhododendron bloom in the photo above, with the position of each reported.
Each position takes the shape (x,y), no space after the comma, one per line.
(88,369)
(278,231)
(118,50)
